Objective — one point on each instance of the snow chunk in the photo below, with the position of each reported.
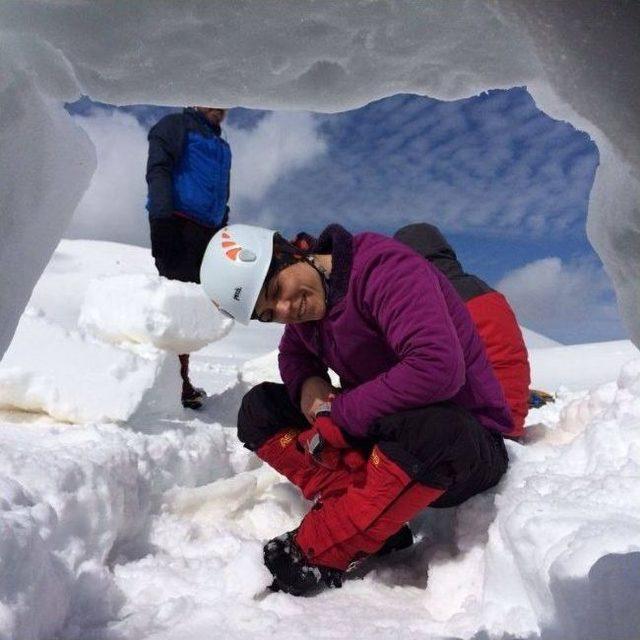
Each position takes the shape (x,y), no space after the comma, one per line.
(74,265)
(629,377)
(168,314)
(74,500)
(51,370)
(41,178)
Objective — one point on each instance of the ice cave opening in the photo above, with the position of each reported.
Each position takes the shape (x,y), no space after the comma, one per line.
(579,63)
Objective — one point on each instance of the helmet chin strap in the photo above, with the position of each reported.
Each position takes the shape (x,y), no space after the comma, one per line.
(322,272)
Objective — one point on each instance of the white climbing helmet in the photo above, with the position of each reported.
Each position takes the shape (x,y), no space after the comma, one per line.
(234,268)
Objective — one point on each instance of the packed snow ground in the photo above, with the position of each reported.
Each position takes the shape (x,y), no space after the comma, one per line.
(123,516)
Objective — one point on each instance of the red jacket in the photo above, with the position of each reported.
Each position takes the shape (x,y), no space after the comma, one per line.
(494,319)
(502,338)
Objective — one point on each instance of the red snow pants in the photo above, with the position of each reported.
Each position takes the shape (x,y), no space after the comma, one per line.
(435,456)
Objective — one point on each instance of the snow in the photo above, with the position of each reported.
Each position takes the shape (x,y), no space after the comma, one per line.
(74,500)
(51,370)
(123,515)
(599,363)
(102,356)
(550,362)
(151,525)
(168,314)
(45,165)
(74,266)
(578,60)
(535,340)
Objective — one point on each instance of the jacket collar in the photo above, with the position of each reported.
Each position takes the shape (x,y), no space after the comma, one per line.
(203,124)
(337,241)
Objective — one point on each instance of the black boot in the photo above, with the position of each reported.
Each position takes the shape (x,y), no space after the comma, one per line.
(193,398)
(292,572)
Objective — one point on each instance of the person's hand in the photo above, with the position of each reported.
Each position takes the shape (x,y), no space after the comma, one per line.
(315,390)
(320,405)
(334,437)
(353,459)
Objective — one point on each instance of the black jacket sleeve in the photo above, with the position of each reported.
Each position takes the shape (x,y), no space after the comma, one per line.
(166,140)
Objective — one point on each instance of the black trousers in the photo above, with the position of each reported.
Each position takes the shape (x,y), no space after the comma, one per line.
(441,445)
(182,261)
(178,248)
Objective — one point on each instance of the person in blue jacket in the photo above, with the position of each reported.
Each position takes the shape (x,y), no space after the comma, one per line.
(188,175)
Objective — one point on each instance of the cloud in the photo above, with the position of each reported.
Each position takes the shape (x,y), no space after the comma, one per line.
(491,162)
(277,146)
(113,207)
(488,168)
(569,301)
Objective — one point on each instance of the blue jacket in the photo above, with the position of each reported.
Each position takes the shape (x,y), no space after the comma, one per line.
(188,169)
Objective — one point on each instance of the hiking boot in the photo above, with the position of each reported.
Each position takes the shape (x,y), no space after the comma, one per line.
(193,398)
(292,572)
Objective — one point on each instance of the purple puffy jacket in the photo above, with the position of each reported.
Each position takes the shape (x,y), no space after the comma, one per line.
(397,334)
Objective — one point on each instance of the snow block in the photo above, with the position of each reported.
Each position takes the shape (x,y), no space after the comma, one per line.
(43,177)
(75,379)
(168,314)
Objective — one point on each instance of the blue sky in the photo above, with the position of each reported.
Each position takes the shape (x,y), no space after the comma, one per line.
(508,185)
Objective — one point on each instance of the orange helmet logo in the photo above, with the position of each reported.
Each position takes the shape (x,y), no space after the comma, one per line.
(232,249)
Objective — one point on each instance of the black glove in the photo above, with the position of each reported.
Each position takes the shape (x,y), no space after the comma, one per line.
(167,246)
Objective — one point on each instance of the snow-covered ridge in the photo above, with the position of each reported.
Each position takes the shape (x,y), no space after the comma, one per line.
(578,60)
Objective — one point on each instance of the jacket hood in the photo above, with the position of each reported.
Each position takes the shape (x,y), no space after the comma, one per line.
(427,240)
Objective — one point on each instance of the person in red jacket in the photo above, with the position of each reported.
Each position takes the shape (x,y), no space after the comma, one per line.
(493,316)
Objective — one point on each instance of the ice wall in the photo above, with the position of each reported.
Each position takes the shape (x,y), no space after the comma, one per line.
(46,163)
(579,61)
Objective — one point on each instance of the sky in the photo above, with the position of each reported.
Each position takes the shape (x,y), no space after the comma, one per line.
(508,185)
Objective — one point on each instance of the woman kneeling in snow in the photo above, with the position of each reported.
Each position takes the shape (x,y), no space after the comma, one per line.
(418,419)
